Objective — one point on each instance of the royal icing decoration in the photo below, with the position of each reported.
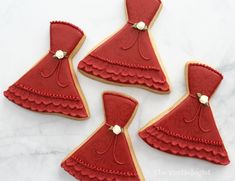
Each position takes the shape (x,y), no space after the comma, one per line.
(140,26)
(59,54)
(116,129)
(203,99)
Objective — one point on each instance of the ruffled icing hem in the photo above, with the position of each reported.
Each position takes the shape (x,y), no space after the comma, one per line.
(123,74)
(83,172)
(44,102)
(175,145)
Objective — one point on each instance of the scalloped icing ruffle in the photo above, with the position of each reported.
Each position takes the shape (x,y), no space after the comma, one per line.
(175,145)
(42,103)
(84,173)
(123,74)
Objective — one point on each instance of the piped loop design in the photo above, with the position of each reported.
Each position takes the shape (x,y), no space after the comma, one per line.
(203,101)
(59,55)
(113,143)
(141,27)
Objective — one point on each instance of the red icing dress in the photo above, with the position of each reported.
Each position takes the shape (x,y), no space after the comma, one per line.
(50,86)
(128,57)
(189,128)
(106,155)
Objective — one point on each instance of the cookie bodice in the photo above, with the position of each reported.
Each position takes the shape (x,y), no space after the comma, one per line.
(203,79)
(142,10)
(64,36)
(118,109)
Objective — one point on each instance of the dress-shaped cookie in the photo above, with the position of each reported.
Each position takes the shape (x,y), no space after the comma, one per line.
(128,57)
(107,154)
(51,85)
(188,128)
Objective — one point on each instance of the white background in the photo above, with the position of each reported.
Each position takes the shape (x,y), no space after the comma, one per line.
(32,145)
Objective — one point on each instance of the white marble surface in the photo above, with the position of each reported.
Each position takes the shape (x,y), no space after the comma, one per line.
(32,145)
